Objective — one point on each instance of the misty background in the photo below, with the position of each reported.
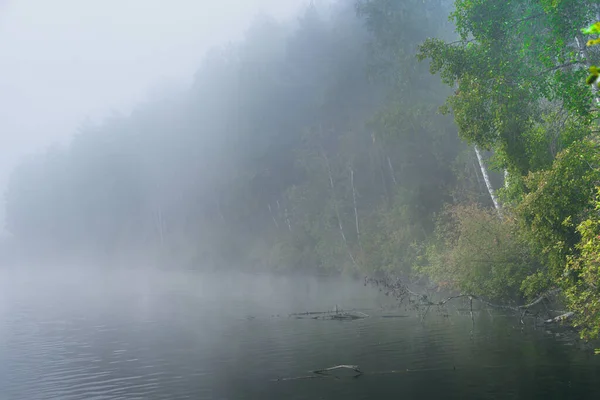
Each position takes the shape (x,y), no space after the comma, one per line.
(296,136)
(191,190)
(66,62)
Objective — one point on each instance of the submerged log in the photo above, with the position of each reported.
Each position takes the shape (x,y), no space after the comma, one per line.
(324,373)
(310,313)
(336,314)
(341,316)
(342,366)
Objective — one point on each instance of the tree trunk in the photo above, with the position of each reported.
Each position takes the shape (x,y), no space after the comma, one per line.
(392,171)
(355,208)
(287,219)
(273,216)
(488,183)
(479,183)
(383,181)
(337,212)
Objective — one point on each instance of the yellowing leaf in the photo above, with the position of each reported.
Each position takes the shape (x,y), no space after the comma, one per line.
(593,29)
(593,42)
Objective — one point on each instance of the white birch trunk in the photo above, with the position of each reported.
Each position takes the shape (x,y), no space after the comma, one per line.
(355,208)
(273,216)
(392,171)
(337,212)
(488,183)
(477,176)
(287,219)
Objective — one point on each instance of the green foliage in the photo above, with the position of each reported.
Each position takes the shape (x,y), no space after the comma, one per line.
(504,69)
(557,202)
(477,253)
(392,236)
(594,29)
(517,74)
(582,275)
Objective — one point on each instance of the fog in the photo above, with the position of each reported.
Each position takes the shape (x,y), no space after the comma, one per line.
(210,159)
(66,61)
(164,335)
(244,199)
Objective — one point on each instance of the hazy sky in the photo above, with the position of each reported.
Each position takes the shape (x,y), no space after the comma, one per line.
(64,60)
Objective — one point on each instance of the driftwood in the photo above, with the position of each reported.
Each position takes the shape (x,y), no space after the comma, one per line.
(342,316)
(321,373)
(310,313)
(342,366)
(335,315)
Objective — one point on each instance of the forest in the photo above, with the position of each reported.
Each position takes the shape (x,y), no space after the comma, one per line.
(451,141)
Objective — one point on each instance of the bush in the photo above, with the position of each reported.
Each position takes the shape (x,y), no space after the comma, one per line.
(582,277)
(475,252)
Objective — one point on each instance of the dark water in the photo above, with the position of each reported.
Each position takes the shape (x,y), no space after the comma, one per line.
(141,335)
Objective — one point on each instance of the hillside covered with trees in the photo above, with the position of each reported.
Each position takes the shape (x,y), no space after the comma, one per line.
(450,141)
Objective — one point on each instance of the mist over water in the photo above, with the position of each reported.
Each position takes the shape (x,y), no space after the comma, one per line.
(176,335)
(193,192)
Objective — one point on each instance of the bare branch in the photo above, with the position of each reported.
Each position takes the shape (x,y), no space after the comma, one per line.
(563,66)
(534,16)
(400,291)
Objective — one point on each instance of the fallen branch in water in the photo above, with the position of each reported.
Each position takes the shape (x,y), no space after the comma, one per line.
(500,306)
(318,374)
(322,373)
(298,378)
(342,366)
(398,289)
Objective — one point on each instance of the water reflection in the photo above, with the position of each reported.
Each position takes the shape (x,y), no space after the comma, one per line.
(185,335)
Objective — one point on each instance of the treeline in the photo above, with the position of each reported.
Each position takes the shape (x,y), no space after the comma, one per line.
(356,139)
(307,145)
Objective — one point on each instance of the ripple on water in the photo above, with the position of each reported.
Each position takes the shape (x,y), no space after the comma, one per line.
(178,337)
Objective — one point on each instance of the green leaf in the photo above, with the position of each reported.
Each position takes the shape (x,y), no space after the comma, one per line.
(593,29)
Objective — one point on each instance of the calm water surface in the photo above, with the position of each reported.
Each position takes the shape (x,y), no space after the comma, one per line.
(184,335)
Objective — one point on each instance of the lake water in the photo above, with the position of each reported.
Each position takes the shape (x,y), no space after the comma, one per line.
(185,335)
